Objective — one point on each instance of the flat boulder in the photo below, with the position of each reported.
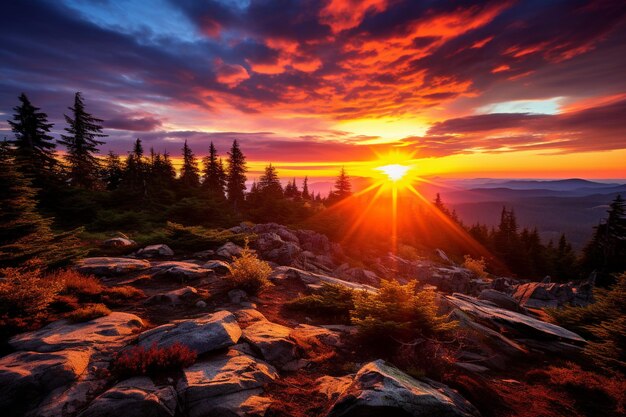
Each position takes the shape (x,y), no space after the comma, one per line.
(179,270)
(310,278)
(205,334)
(381,390)
(500,299)
(60,335)
(228,385)
(314,335)
(105,266)
(156,251)
(185,295)
(272,341)
(135,397)
(26,377)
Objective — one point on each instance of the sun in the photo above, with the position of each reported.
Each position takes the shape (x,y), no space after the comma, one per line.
(395,172)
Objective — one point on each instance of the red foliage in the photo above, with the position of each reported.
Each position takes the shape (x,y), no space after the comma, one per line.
(153,361)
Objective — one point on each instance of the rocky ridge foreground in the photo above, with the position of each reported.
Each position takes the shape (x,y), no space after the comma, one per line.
(61,369)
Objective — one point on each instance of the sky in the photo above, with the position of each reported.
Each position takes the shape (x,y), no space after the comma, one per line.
(532,89)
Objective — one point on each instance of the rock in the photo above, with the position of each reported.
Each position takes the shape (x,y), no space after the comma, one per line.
(471,367)
(516,325)
(103,266)
(443,256)
(118,242)
(204,334)
(248,316)
(272,341)
(220,267)
(156,251)
(379,389)
(272,247)
(285,272)
(333,387)
(229,250)
(25,377)
(201,304)
(62,334)
(204,254)
(135,397)
(179,270)
(541,294)
(225,386)
(236,296)
(362,276)
(500,299)
(175,297)
(305,334)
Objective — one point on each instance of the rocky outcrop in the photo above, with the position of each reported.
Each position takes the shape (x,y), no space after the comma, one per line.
(541,295)
(179,270)
(156,251)
(219,267)
(135,397)
(212,332)
(228,385)
(500,299)
(272,341)
(313,279)
(26,377)
(104,266)
(185,295)
(229,250)
(62,335)
(507,332)
(379,390)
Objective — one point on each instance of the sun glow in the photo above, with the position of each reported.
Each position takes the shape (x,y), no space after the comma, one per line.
(395,172)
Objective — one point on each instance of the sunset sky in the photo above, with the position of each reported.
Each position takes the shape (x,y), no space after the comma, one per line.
(493,88)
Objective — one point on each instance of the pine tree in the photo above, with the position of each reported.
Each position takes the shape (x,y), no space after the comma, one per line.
(81,143)
(236,176)
(25,236)
(33,145)
(306,195)
(343,188)
(214,179)
(189,173)
(269,186)
(113,171)
(136,170)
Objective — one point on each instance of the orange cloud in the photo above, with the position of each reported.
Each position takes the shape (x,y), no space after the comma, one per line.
(346,14)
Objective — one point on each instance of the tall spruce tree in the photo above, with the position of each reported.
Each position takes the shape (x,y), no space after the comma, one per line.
(25,236)
(33,145)
(189,173)
(306,195)
(214,177)
(82,144)
(343,188)
(136,170)
(269,186)
(236,176)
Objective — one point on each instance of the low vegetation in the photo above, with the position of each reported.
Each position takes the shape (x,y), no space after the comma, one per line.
(331,300)
(88,312)
(192,238)
(603,323)
(154,361)
(25,293)
(477,266)
(399,313)
(249,273)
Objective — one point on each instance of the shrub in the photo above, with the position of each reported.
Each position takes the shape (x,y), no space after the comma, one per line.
(477,266)
(250,273)
(124,292)
(154,361)
(603,323)
(25,293)
(408,252)
(88,312)
(332,300)
(83,286)
(399,313)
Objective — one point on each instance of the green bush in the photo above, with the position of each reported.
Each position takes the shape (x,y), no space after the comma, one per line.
(398,312)
(332,300)
(603,323)
(250,273)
